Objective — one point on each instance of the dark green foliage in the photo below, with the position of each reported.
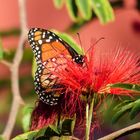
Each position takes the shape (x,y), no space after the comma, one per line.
(38,134)
(135,109)
(83,9)
(10,32)
(65,128)
(128,106)
(126,86)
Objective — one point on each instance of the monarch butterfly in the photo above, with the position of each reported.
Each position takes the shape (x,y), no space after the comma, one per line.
(48,48)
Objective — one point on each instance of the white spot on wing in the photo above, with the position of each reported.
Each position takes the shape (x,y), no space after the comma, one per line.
(47,40)
(60,39)
(43,36)
(40,42)
(50,37)
(37,48)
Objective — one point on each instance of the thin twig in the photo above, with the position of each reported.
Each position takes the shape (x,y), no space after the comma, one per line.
(87,122)
(6,63)
(122,132)
(17,100)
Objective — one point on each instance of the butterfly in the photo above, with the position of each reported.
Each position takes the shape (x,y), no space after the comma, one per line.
(48,49)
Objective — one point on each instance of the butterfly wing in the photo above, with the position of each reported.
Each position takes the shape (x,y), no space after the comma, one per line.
(48,48)
(46,85)
(46,44)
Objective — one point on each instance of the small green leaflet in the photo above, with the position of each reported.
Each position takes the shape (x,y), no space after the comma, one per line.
(26,113)
(103,10)
(135,109)
(128,106)
(72,9)
(84,8)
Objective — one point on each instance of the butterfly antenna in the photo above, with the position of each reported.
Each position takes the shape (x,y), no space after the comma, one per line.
(94,44)
(80,40)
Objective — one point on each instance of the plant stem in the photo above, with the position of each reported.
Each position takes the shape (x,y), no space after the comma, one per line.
(65,138)
(87,122)
(89,115)
(122,132)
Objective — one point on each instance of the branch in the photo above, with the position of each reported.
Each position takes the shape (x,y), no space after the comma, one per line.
(17,100)
(125,131)
(6,63)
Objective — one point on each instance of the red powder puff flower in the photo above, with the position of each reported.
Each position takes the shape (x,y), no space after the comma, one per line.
(100,69)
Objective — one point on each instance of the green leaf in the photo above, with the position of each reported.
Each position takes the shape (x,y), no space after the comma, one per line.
(52,131)
(117,107)
(72,9)
(30,135)
(126,86)
(26,112)
(121,111)
(67,127)
(38,134)
(71,42)
(84,8)
(103,10)
(1,50)
(58,3)
(26,136)
(41,133)
(34,67)
(135,109)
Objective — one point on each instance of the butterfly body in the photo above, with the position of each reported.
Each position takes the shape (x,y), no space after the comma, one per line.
(50,50)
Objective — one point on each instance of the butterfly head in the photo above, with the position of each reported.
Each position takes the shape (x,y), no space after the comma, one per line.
(79,59)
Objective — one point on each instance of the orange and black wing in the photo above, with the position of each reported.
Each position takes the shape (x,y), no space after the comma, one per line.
(46,83)
(46,44)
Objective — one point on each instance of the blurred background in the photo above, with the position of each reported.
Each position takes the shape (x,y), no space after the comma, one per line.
(125,29)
